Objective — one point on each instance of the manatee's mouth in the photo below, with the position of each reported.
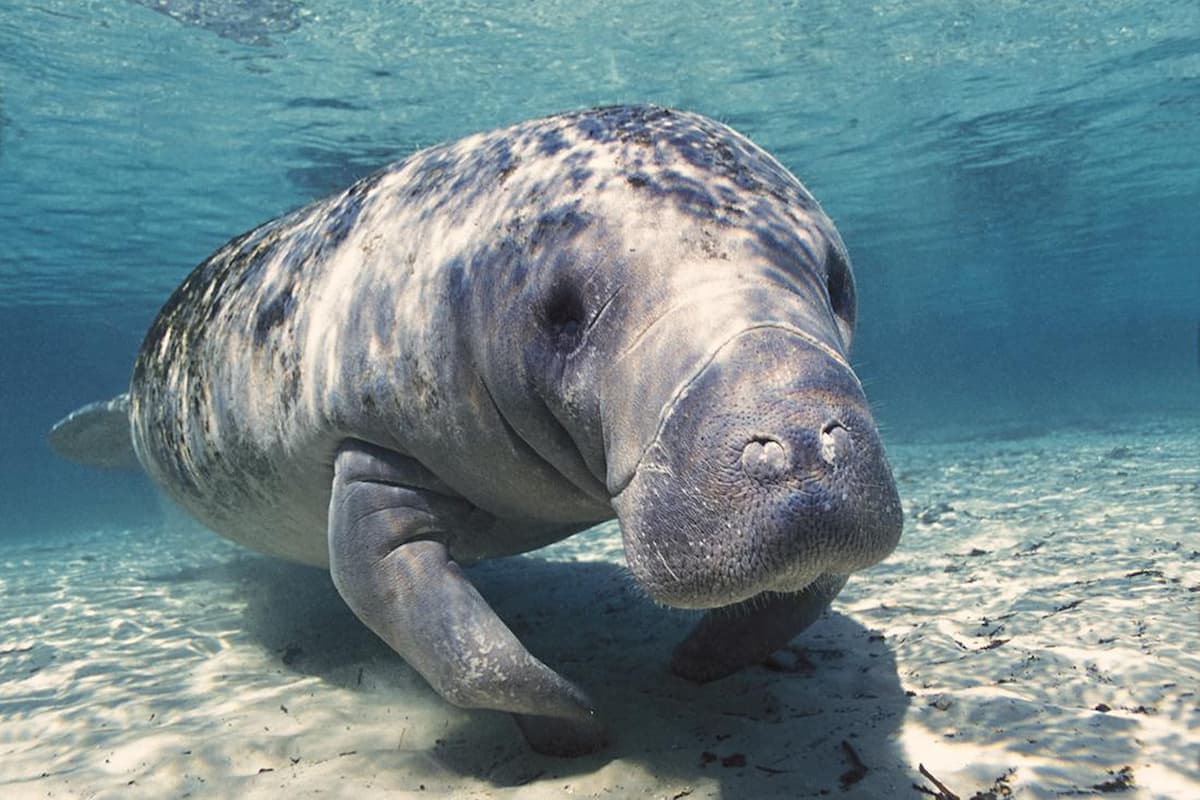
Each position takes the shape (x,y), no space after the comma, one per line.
(688,551)
(759,486)
(718,588)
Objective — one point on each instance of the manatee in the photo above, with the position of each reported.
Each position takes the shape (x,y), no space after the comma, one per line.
(498,342)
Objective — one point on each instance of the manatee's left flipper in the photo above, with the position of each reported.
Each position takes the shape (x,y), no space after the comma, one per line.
(728,639)
(390,564)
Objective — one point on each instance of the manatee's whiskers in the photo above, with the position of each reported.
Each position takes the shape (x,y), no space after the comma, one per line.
(666,566)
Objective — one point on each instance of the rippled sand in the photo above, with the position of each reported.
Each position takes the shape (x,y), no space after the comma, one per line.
(1039,629)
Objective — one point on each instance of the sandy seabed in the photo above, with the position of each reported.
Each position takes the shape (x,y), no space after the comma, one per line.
(1036,635)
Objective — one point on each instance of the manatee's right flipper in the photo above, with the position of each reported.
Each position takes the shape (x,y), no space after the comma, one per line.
(390,564)
(96,435)
(728,639)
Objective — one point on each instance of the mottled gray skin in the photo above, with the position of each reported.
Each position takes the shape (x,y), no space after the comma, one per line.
(504,340)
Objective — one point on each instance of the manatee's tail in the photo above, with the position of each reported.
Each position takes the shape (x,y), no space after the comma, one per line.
(97,435)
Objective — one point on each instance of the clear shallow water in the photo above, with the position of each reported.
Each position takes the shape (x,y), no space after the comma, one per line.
(1017,183)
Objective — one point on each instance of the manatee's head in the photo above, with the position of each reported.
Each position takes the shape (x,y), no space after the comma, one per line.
(766,471)
(665,325)
(741,454)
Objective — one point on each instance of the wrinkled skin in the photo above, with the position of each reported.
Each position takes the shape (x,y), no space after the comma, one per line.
(503,340)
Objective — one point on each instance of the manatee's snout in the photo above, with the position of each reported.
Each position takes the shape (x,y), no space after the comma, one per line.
(767,457)
(767,472)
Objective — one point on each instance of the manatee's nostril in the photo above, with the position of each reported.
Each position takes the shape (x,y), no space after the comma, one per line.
(835,442)
(764,458)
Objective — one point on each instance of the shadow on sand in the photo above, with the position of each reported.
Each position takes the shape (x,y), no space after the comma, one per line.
(822,717)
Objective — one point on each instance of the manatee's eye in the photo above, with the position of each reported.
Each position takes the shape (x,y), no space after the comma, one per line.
(840,285)
(562,315)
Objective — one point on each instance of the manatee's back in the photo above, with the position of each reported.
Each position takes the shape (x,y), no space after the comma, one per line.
(341,320)
(218,409)
(335,321)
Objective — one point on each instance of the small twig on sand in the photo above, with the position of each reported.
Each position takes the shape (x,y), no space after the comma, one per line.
(942,793)
(858,770)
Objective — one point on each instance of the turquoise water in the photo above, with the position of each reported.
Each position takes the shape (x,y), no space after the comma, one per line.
(1018,183)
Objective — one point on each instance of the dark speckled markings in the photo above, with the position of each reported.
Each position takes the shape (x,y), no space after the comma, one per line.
(503,340)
